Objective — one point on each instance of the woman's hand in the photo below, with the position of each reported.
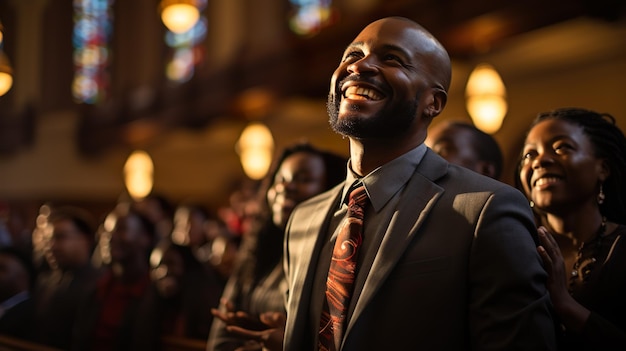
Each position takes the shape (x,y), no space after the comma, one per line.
(237,318)
(554,264)
(573,315)
(271,338)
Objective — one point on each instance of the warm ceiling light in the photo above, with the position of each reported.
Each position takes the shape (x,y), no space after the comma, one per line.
(179,16)
(486,98)
(255,148)
(138,174)
(6,72)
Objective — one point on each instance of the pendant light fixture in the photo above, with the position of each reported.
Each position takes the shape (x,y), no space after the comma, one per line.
(255,148)
(486,98)
(139,174)
(179,16)
(6,72)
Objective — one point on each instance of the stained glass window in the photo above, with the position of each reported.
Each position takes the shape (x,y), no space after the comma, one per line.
(186,49)
(92,31)
(310,16)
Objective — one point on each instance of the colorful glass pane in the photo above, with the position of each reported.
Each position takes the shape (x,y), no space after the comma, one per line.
(92,31)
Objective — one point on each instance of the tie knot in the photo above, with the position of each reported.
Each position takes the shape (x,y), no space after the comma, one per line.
(358,196)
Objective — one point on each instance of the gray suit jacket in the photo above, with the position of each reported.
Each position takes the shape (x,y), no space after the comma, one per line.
(456,270)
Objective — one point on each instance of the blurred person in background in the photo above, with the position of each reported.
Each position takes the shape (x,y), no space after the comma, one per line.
(242,208)
(207,237)
(465,145)
(179,301)
(257,285)
(159,209)
(17,308)
(15,230)
(61,290)
(107,318)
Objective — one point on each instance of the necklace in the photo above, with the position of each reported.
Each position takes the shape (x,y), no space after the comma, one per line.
(585,260)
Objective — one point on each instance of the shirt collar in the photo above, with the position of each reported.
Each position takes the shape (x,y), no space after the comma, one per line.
(385,181)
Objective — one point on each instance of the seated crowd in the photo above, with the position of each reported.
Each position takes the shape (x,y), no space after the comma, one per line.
(134,280)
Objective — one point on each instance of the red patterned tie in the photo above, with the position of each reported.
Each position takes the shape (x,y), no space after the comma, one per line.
(339,284)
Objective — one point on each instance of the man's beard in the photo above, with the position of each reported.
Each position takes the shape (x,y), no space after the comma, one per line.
(388,122)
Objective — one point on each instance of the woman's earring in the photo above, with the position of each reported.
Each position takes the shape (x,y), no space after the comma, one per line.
(601,196)
(532,204)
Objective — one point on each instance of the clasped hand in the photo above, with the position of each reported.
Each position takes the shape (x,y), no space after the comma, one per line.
(264,333)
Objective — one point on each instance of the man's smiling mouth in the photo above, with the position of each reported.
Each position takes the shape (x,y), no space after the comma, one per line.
(360,93)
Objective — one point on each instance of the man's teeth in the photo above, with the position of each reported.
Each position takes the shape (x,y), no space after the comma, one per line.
(360,93)
(547,180)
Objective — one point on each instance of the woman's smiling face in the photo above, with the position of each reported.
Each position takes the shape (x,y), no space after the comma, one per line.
(559,169)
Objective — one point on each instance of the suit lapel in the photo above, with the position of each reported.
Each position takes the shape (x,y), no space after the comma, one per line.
(306,240)
(418,198)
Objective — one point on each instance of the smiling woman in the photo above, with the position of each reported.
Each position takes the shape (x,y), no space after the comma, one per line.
(572,169)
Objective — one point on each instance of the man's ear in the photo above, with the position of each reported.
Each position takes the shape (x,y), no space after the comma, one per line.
(440,97)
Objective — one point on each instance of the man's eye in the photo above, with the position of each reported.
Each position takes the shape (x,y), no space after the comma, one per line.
(394,60)
(354,55)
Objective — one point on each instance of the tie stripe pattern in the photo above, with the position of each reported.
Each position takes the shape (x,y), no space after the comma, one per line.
(340,281)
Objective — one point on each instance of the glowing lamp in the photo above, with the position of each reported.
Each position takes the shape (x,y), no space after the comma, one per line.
(138,174)
(255,147)
(486,98)
(6,73)
(179,16)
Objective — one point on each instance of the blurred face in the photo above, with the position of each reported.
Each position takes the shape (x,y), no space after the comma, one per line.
(456,146)
(168,273)
(300,176)
(382,83)
(128,239)
(189,227)
(559,170)
(69,247)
